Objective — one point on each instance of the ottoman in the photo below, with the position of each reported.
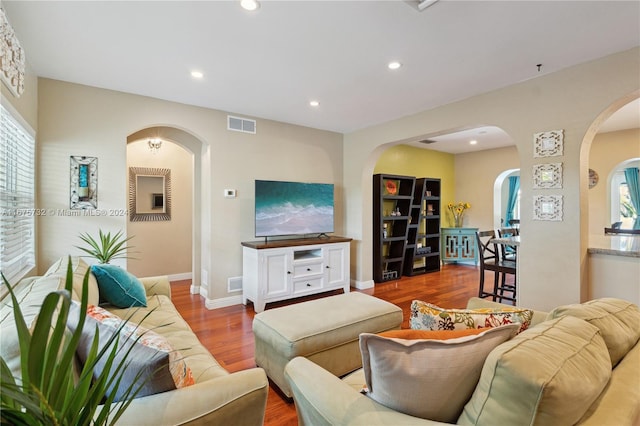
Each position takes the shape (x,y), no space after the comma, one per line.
(326,331)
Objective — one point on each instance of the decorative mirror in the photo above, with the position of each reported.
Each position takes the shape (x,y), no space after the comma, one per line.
(547,176)
(149,194)
(84,183)
(548,144)
(547,207)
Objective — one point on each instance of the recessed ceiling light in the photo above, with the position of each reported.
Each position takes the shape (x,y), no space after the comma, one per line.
(314,103)
(250,4)
(196,74)
(394,65)
(473,142)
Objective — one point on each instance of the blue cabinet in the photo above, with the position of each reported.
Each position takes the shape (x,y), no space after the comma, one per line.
(459,245)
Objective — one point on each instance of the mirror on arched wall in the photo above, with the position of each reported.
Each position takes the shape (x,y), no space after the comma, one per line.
(615,147)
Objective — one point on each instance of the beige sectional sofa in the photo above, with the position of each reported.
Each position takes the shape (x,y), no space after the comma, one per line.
(217,397)
(579,364)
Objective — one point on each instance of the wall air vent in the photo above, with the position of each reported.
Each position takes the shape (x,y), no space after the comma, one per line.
(240,124)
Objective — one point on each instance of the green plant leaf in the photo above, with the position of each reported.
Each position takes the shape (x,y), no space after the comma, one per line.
(106,247)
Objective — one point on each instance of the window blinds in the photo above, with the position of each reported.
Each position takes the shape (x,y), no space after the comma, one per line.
(17,198)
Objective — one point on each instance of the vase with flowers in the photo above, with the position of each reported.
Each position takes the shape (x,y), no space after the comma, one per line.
(457,212)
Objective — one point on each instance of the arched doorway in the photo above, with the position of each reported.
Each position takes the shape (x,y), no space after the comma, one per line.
(170,248)
(615,145)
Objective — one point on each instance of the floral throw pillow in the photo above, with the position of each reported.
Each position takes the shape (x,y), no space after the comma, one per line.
(425,316)
(162,367)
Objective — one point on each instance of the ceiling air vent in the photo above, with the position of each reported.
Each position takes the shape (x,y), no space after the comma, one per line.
(427,141)
(240,124)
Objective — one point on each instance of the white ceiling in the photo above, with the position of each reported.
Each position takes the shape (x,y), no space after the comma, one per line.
(272,62)
(491,137)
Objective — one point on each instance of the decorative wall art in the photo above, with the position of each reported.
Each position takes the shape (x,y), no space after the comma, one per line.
(84,183)
(547,176)
(548,144)
(12,60)
(547,207)
(149,194)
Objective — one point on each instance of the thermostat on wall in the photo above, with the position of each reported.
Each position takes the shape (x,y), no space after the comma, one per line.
(229,193)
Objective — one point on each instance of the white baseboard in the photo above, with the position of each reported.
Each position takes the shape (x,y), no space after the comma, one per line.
(202,290)
(222,302)
(180,277)
(362,285)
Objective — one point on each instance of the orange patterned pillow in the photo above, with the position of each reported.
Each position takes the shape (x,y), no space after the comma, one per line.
(163,367)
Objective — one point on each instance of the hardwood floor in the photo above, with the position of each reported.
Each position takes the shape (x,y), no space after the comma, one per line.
(227,333)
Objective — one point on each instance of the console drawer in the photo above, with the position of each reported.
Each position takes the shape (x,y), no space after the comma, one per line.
(307,269)
(302,286)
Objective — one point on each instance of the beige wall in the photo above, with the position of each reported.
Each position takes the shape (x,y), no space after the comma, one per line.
(81,120)
(608,150)
(576,100)
(164,247)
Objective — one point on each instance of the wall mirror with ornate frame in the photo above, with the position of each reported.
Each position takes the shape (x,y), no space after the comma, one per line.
(149,194)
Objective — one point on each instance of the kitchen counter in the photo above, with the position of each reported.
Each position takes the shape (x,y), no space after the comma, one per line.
(615,245)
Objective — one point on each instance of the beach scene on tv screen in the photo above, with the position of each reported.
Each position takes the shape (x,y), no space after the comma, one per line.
(293,208)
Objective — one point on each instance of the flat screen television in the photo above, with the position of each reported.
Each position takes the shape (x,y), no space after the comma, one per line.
(293,208)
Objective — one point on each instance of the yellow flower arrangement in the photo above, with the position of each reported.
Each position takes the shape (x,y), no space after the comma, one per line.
(457,211)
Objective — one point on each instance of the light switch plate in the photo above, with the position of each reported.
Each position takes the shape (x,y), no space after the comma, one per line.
(229,193)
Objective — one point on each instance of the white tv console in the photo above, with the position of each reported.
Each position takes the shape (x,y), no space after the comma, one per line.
(285,269)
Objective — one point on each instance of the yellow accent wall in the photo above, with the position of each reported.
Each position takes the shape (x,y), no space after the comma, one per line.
(411,161)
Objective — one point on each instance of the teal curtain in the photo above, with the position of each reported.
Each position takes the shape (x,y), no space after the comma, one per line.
(514,186)
(633,182)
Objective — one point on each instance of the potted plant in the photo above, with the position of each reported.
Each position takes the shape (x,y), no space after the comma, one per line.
(47,392)
(106,247)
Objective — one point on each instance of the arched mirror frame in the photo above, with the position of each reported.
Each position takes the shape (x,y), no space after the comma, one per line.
(134,172)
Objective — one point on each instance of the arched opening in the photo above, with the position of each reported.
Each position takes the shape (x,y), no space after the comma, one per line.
(604,153)
(615,145)
(501,199)
(404,157)
(170,247)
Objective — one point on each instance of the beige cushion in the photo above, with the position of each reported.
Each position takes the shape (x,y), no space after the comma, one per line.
(79,268)
(431,379)
(549,375)
(618,321)
(162,316)
(30,294)
(425,316)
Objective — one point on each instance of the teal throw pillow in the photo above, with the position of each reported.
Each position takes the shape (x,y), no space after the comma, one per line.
(119,287)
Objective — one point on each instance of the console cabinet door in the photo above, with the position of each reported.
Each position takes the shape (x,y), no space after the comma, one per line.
(337,264)
(276,273)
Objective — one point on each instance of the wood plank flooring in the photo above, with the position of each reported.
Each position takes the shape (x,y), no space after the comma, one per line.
(227,333)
